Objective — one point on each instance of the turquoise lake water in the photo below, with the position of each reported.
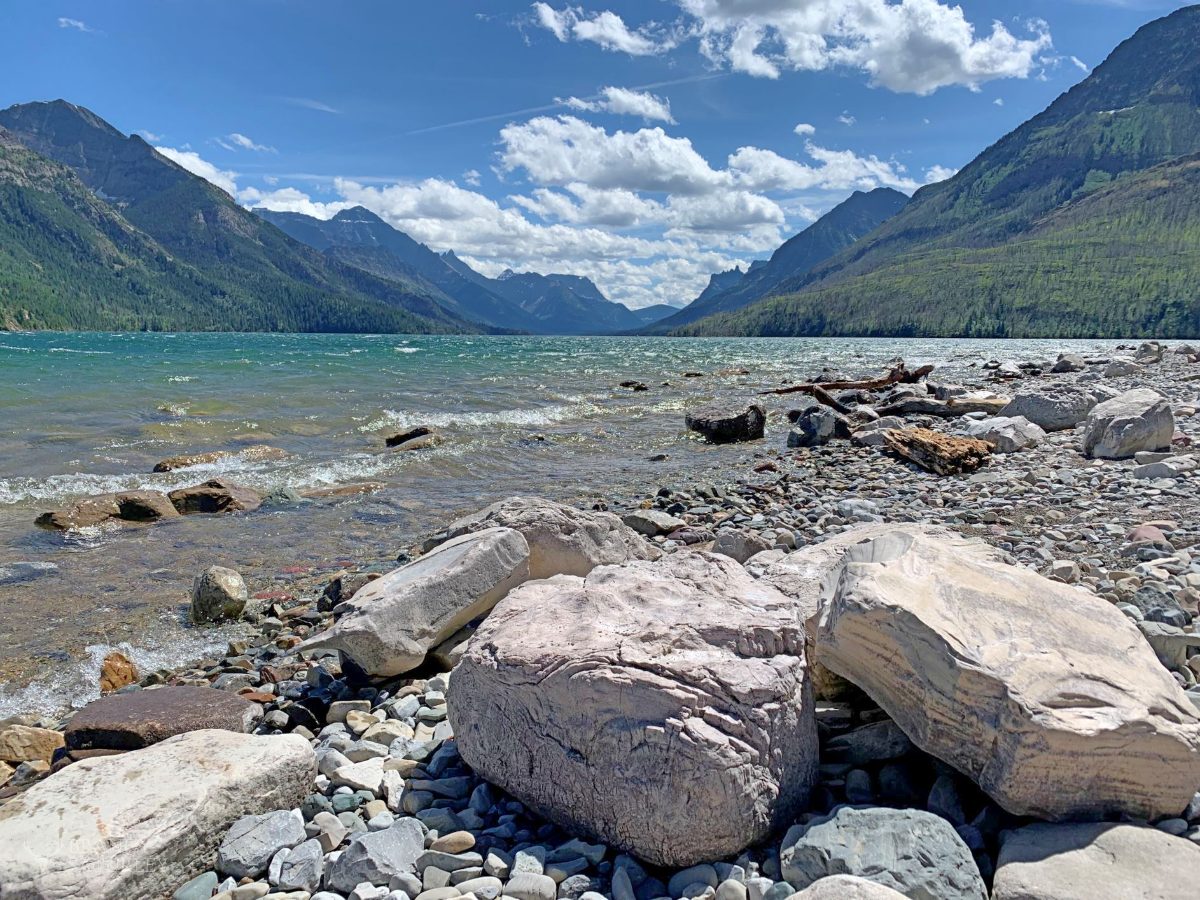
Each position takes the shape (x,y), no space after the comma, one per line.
(84,414)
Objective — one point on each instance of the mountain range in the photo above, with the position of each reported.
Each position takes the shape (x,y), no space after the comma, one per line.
(1084,221)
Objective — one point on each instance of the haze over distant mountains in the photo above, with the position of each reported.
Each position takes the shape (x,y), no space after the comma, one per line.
(1084,221)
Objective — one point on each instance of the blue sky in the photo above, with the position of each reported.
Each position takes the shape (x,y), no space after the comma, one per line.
(644,144)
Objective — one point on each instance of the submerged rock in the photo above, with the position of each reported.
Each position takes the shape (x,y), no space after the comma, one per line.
(126,506)
(685,678)
(257,453)
(218,595)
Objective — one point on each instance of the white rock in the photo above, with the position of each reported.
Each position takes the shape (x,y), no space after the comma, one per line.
(1045,695)
(740,545)
(1052,407)
(1121,366)
(562,540)
(871,434)
(684,678)
(390,625)
(846,887)
(1099,861)
(652,522)
(143,823)
(1173,467)
(1006,434)
(376,856)
(1137,420)
(252,841)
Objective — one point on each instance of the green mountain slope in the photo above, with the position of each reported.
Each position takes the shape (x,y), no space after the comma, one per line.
(838,229)
(190,257)
(1006,247)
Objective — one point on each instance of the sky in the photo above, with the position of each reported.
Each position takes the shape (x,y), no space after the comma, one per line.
(643,144)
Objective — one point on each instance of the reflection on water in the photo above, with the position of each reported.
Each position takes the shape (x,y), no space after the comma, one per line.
(83,414)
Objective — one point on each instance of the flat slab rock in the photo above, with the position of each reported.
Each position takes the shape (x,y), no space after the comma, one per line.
(141,718)
(391,623)
(1047,696)
(256,453)
(218,495)
(1099,861)
(125,507)
(563,540)
(140,824)
(663,708)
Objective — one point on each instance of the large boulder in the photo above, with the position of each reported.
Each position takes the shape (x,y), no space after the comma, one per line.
(218,594)
(661,708)
(562,540)
(846,887)
(872,434)
(910,851)
(1097,861)
(728,423)
(141,718)
(1052,407)
(1044,694)
(126,506)
(218,495)
(1137,420)
(1006,434)
(141,824)
(389,626)
(25,743)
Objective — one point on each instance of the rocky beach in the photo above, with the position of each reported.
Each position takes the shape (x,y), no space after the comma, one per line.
(926,638)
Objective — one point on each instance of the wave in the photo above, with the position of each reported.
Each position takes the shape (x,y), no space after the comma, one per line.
(406,349)
(545,415)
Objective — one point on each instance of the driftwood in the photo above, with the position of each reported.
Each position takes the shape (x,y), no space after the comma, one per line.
(939,453)
(946,409)
(898,375)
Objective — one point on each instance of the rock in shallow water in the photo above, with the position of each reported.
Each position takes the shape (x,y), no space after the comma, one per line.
(728,423)
(218,595)
(685,678)
(389,626)
(127,506)
(1046,696)
(143,823)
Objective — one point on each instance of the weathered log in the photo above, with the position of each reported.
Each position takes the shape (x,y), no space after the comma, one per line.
(946,409)
(898,375)
(939,453)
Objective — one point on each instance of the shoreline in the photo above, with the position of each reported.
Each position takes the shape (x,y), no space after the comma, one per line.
(1108,527)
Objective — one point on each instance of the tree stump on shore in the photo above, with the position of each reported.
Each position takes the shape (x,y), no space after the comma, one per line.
(939,453)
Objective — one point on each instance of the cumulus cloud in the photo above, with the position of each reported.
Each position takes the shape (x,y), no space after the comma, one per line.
(846,119)
(625,102)
(191,160)
(935,174)
(605,29)
(911,46)
(805,130)
(472,177)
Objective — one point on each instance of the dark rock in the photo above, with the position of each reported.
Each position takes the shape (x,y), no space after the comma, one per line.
(138,719)
(728,423)
(412,434)
(220,495)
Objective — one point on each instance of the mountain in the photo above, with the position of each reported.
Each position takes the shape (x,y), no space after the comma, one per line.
(1081,222)
(101,231)
(541,304)
(360,238)
(853,218)
(649,314)
(565,304)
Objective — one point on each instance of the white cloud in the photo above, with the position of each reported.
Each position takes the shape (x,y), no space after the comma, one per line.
(605,29)
(846,119)
(999,101)
(805,130)
(934,174)
(472,177)
(1080,64)
(912,46)
(64,22)
(756,169)
(309,103)
(626,102)
(244,143)
(190,160)
(290,199)
(151,136)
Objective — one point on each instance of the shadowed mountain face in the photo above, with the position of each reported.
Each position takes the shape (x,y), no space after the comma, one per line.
(541,304)
(1063,227)
(194,258)
(835,231)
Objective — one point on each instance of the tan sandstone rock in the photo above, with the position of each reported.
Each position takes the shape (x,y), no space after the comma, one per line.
(391,623)
(1099,861)
(140,824)
(1045,695)
(562,540)
(662,708)
(23,743)
(117,671)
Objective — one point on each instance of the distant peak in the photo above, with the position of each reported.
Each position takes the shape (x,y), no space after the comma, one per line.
(357,214)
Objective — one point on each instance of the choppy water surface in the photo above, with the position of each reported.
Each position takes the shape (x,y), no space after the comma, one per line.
(83,414)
